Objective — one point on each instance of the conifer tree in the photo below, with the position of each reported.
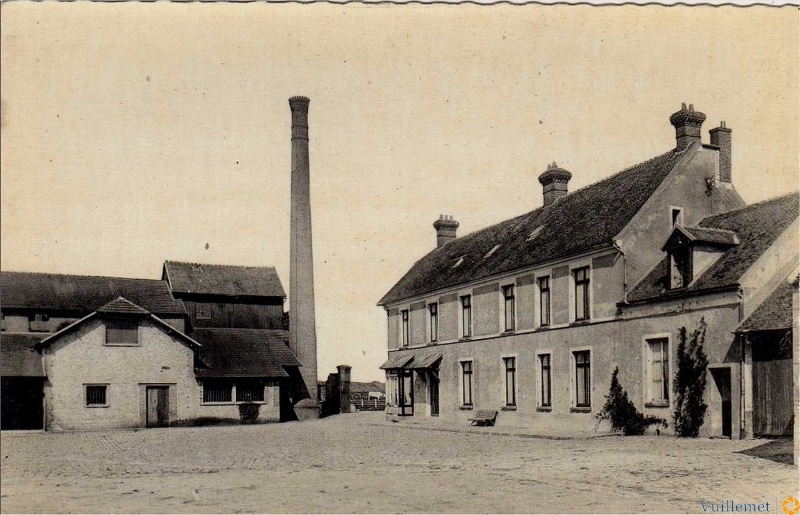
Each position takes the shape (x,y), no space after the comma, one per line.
(690,382)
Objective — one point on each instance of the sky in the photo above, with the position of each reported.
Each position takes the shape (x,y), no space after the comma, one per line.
(133,133)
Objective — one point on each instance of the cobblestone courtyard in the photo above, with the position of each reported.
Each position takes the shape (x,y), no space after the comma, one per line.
(359,463)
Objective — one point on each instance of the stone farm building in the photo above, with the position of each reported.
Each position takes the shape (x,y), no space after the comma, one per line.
(83,352)
(531,316)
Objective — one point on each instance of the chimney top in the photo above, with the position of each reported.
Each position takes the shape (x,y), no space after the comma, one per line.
(299,100)
(445,229)
(687,124)
(554,183)
(554,173)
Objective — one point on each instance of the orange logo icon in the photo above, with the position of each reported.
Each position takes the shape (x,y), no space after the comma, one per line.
(791,506)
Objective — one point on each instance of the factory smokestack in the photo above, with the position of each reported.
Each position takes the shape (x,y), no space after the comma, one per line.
(302,321)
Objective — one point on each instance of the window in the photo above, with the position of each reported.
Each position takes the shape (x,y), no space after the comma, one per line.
(466,316)
(544,301)
(202,311)
(37,322)
(96,395)
(433,310)
(122,332)
(404,329)
(217,391)
(466,383)
(545,399)
(250,391)
(400,390)
(676,214)
(511,381)
(658,371)
(508,306)
(581,276)
(583,398)
(680,266)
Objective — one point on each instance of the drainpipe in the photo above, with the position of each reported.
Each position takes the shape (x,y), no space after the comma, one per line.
(742,345)
(624,272)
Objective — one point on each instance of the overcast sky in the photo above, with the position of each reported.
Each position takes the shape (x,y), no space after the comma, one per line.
(134,133)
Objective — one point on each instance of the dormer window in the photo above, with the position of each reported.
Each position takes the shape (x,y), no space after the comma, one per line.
(680,266)
(692,250)
(676,215)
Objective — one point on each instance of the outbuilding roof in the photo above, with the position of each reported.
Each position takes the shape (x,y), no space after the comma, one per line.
(84,293)
(773,314)
(227,280)
(583,220)
(756,226)
(244,352)
(18,356)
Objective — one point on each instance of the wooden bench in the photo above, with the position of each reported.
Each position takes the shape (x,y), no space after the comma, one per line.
(484,418)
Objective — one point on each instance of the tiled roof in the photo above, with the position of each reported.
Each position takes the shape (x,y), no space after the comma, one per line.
(585,219)
(244,352)
(121,305)
(774,313)
(710,235)
(18,358)
(757,227)
(228,280)
(83,293)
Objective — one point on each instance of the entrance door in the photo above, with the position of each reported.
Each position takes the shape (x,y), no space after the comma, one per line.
(434,386)
(722,378)
(405,383)
(157,406)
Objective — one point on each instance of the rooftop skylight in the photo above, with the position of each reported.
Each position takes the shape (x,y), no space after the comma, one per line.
(535,233)
(458,262)
(492,251)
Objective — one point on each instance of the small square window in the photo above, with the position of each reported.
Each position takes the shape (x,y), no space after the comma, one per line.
(96,395)
(202,311)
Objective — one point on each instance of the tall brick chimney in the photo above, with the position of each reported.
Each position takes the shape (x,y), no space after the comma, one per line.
(687,124)
(554,183)
(445,229)
(721,137)
(302,320)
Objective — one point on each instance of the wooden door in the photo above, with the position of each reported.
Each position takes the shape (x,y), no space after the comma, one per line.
(157,406)
(434,386)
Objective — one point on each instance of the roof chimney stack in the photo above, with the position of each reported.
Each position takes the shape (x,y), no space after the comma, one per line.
(687,124)
(445,229)
(721,137)
(554,183)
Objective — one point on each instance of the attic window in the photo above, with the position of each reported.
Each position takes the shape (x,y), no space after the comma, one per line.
(458,262)
(680,266)
(535,233)
(492,251)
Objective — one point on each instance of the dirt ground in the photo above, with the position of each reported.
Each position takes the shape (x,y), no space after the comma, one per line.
(360,463)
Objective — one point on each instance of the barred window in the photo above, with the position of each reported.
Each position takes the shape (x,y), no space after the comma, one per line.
(96,395)
(122,332)
(250,392)
(217,391)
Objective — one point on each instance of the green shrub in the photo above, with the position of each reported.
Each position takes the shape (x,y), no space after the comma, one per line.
(690,382)
(622,413)
(248,413)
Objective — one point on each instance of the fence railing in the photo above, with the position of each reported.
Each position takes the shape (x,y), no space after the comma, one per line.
(366,404)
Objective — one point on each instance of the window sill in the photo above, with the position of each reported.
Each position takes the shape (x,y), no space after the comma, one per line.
(580,409)
(97,406)
(509,331)
(122,344)
(232,403)
(508,408)
(581,322)
(656,404)
(465,338)
(544,409)
(543,328)
(465,408)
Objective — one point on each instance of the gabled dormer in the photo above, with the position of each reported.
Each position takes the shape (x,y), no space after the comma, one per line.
(692,250)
